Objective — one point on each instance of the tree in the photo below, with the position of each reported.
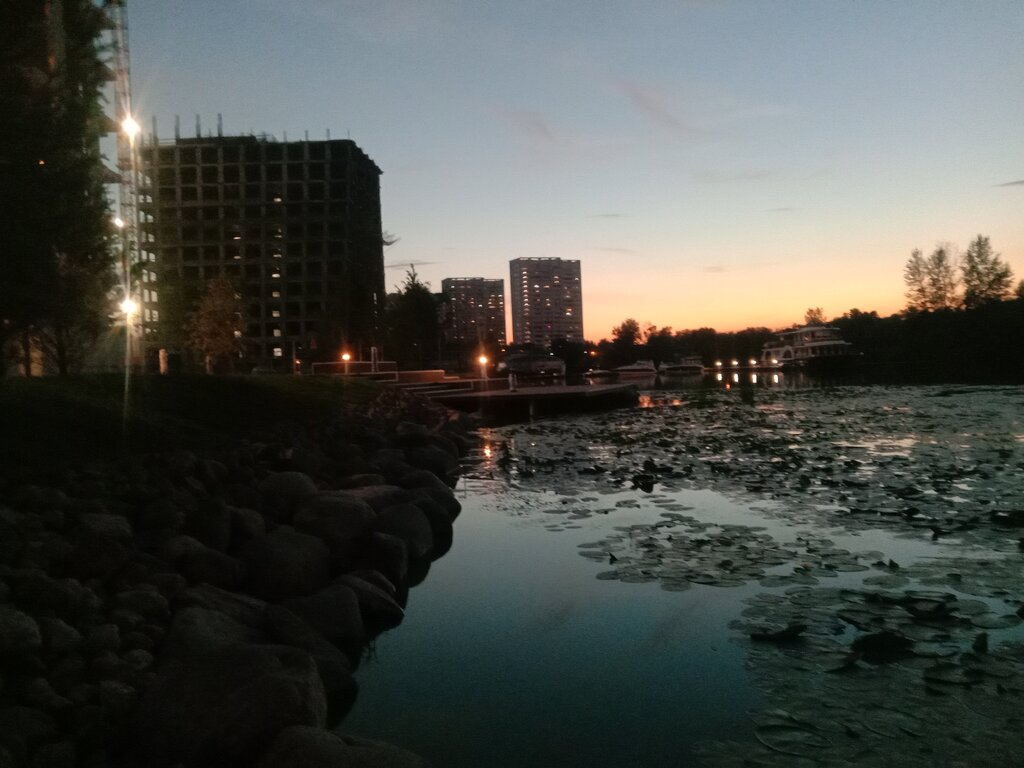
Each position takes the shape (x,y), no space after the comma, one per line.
(625,338)
(814,316)
(985,277)
(215,328)
(412,321)
(931,282)
(53,212)
(1019,292)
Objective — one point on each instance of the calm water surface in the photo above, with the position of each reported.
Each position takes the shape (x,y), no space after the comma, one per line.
(518,651)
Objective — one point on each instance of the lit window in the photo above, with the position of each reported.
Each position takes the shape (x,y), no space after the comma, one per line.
(275,294)
(275,313)
(278,352)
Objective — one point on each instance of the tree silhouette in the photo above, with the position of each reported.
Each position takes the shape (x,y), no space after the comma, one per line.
(814,316)
(215,328)
(985,277)
(53,213)
(931,282)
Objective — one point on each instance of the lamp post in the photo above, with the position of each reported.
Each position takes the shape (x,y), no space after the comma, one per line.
(345,358)
(128,307)
(128,224)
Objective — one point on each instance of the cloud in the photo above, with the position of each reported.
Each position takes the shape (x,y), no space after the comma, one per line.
(607,216)
(655,105)
(530,125)
(714,268)
(1019,183)
(720,177)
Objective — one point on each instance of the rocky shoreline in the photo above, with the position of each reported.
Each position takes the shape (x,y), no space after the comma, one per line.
(209,607)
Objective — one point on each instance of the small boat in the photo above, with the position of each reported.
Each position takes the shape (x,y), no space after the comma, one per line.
(688,366)
(641,369)
(598,374)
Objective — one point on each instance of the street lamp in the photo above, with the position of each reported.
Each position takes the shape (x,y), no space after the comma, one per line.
(345,357)
(483,366)
(130,127)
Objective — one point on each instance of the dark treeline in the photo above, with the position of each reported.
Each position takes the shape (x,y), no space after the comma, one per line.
(979,344)
(983,344)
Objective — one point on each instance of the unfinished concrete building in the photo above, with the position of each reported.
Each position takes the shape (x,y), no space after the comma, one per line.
(295,225)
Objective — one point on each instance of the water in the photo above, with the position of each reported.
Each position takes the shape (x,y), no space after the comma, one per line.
(580,620)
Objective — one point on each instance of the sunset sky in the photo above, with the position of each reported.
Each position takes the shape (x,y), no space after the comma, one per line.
(723,164)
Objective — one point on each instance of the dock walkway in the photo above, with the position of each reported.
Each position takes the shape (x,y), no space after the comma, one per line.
(524,403)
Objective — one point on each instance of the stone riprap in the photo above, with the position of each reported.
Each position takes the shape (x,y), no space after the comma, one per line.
(208,608)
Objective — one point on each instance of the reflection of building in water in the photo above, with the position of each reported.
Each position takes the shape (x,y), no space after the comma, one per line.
(800,345)
(475,308)
(547,300)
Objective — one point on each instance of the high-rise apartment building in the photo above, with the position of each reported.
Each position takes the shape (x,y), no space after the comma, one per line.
(475,309)
(547,300)
(295,225)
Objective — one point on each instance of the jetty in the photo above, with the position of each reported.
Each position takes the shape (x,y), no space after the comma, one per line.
(503,404)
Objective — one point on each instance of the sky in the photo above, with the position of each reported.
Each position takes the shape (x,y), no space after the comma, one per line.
(722,164)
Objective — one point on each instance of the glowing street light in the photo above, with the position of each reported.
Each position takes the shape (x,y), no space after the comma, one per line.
(483,366)
(119,222)
(130,127)
(345,357)
(129,307)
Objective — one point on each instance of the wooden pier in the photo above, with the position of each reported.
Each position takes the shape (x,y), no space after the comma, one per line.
(504,405)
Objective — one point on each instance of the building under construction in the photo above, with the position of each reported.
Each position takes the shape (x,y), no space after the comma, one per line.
(296,226)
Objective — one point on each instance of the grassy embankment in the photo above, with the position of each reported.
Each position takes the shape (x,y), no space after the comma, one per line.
(48,423)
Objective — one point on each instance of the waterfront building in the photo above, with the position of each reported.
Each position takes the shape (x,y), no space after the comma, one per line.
(547,300)
(474,310)
(295,225)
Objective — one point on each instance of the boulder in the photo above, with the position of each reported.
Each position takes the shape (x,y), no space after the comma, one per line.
(19,632)
(245,609)
(445,498)
(440,525)
(379,496)
(246,524)
(281,492)
(336,518)
(304,747)
(334,613)
(101,545)
(387,554)
(21,728)
(423,478)
(228,707)
(199,631)
(378,608)
(360,481)
(285,563)
(210,523)
(160,514)
(146,602)
(433,459)
(212,567)
(59,637)
(409,523)
(286,628)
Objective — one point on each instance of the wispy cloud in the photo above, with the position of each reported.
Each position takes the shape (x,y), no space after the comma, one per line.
(532,126)
(607,216)
(722,177)
(1019,183)
(714,269)
(657,106)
